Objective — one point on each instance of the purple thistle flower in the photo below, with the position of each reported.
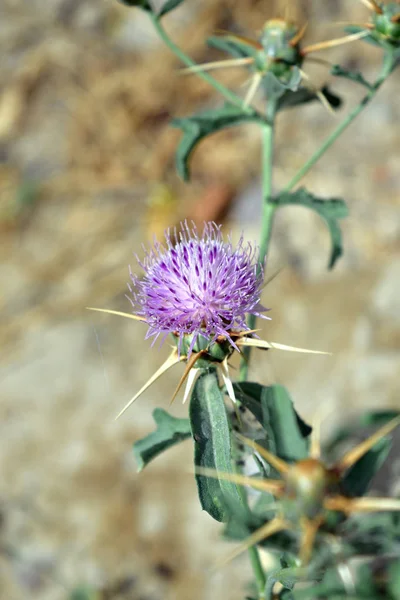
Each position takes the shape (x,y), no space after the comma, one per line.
(199,286)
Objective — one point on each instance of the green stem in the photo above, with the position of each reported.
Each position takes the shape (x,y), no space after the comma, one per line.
(387,67)
(227,94)
(258,571)
(267,216)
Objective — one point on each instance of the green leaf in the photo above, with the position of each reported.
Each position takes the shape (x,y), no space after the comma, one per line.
(330,210)
(358,478)
(286,577)
(168,6)
(198,126)
(170,431)
(273,408)
(394,579)
(143,4)
(377,418)
(212,446)
(355,76)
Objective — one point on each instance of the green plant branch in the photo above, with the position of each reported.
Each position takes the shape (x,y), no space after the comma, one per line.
(387,68)
(267,214)
(231,97)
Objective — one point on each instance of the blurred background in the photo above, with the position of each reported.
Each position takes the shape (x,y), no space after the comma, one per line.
(86,176)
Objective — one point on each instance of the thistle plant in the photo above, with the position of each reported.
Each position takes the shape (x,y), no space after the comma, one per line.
(203,293)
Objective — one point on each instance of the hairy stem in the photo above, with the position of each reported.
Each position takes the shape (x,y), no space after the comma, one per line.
(387,67)
(267,215)
(227,94)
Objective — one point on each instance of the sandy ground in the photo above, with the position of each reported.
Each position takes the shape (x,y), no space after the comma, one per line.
(85,98)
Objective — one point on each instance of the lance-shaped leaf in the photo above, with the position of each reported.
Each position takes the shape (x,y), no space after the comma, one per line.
(212,443)
(380,417)
(356,76)
(273,408)
(330,210)
(170,431)
(203,124)
(360,475)
(168,6)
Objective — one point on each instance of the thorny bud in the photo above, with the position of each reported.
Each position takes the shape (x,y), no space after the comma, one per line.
(213,351)
(281,51)
(386,22)
(307,484)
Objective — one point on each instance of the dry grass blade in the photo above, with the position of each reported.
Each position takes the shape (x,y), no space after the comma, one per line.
(272,486)
(172,360)
(280,465)
(117,312)
(353,455)
(270,528)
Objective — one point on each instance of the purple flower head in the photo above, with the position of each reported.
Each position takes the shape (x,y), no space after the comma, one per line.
(199,286)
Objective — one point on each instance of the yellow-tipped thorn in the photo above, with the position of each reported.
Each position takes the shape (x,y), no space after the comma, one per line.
(296,39)
(227,380)
(246,332)
(268,345)
(270,528)
(310,529)
(372,5)
(280,465)
(191,380)
(172,360)
(190,363)
(220,64)
(371,504)
(331,43)
(272,486)
(367,504)
(315,442)
(318,93)
(353,455)
(252,89)
(117,312)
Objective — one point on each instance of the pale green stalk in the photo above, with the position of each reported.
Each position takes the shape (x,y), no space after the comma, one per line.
(267,213)
(227,94)
(387,67)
